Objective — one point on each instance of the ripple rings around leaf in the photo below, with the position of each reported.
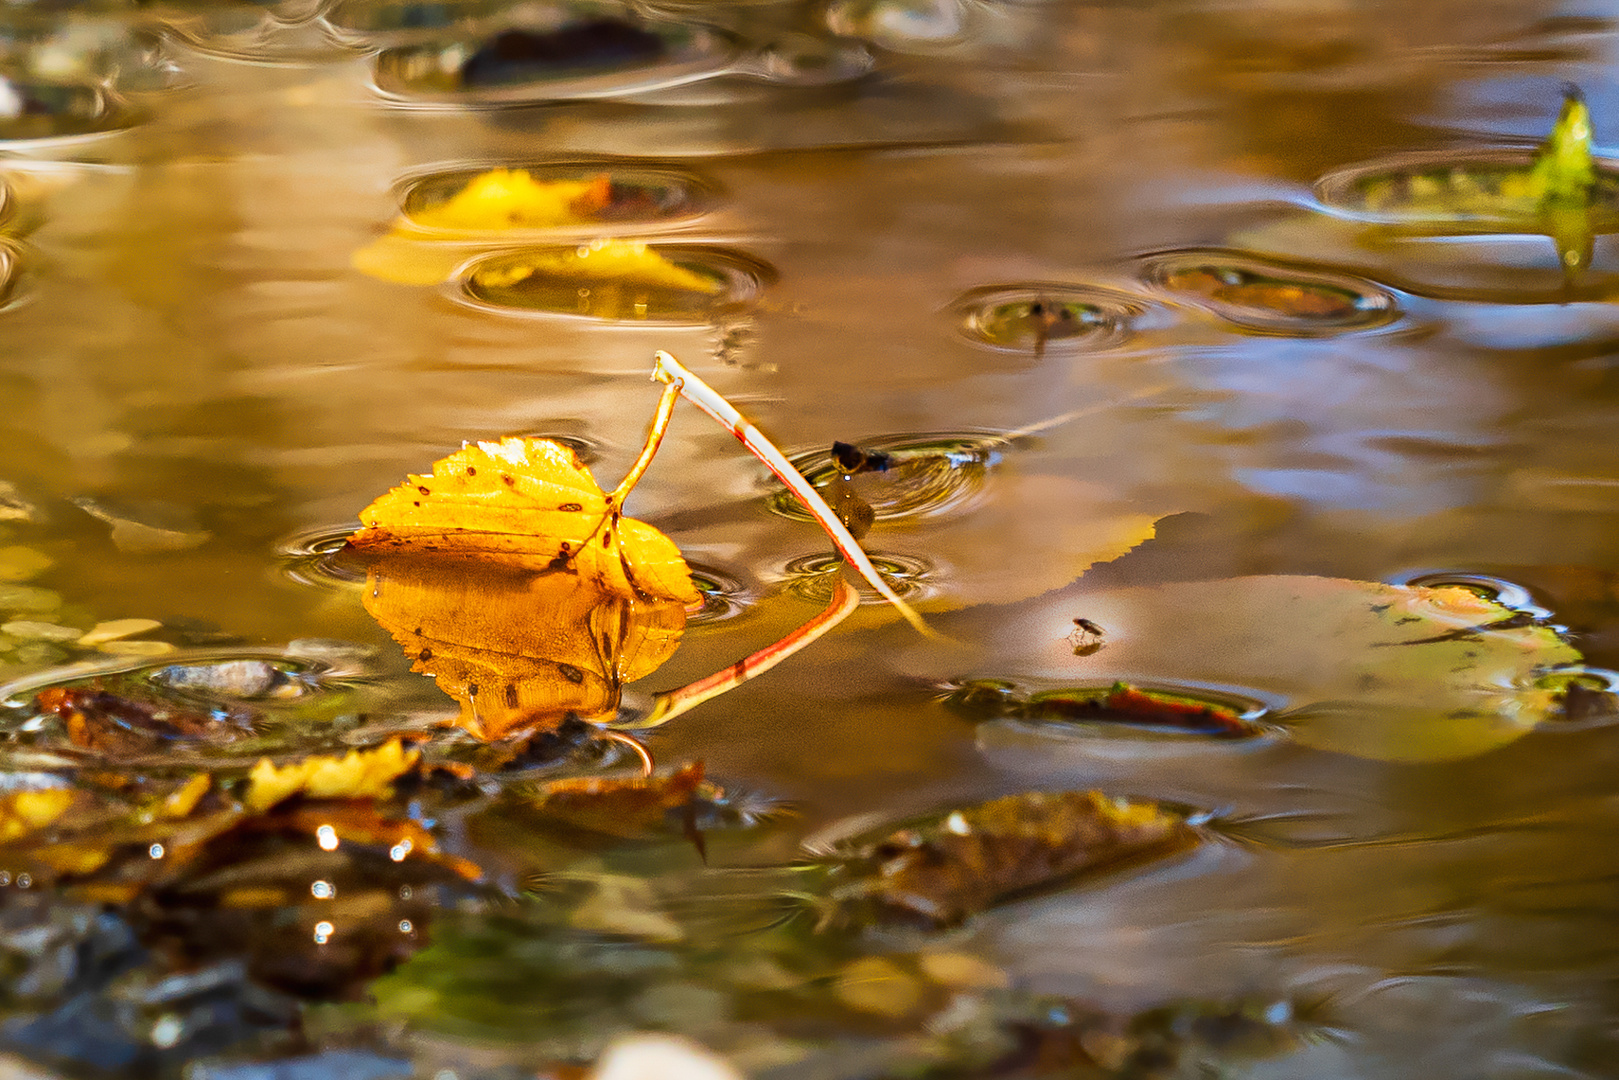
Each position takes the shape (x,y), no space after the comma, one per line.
(1510,596)
(642,194)
(932,474)
(1038,317)
(499,283)
(811,577)
(315,557)
(1445,192)
(1268,296)
(724,596)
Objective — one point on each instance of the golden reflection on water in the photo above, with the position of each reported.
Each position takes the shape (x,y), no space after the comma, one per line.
(193,344)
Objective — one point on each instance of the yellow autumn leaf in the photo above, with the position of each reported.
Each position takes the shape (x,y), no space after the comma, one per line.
(512,199)
(25,812)
(357,774)
(526,503)
(629,262)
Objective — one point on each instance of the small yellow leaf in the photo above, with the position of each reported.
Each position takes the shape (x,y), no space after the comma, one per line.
(184,800)
(528,503)
(357,774)
(512,199)
(629,262)
(25,812)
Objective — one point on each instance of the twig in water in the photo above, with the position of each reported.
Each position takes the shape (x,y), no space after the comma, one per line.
(670,705)
(668,370)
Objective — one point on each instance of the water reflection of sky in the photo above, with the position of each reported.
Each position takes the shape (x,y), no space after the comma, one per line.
(1347,423)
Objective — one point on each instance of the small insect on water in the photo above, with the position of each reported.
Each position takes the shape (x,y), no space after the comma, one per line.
(1085,637)
(1050,320)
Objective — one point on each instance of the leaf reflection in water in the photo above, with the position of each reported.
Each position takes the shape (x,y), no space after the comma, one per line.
(520,649)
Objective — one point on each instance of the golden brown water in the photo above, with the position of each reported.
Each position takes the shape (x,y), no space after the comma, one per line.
(191,349)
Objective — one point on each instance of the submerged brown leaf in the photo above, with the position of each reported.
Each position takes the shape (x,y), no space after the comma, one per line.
(623,807)
(120,726)
(939,873)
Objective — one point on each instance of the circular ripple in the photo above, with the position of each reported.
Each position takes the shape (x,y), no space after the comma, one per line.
(1271,297)
(56,112)
(638,194)
(562,281)
(931,474)
(811,577)
(316,557)
(251,35)
(1508,595)
(573,57)
(724,597)
(1045,316)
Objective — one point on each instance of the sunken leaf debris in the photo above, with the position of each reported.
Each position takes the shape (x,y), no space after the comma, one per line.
(940,872)
(619,806)
(527,502)
(1390,672)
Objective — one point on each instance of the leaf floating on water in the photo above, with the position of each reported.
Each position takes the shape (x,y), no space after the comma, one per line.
(1565,169)
(531,503)
(1392,672)
(357,774)
(966,861)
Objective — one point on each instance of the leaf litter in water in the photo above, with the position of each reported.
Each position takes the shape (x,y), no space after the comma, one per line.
(1120,704)
(939,872)
(1403,673)
(618,280)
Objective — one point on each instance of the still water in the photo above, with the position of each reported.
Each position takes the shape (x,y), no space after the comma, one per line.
(1409,872)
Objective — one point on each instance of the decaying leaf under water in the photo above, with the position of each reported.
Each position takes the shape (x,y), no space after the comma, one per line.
(1393,672)
(964,862)
(520,648)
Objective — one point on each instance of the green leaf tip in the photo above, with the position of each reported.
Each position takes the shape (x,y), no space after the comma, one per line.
(1564,169)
